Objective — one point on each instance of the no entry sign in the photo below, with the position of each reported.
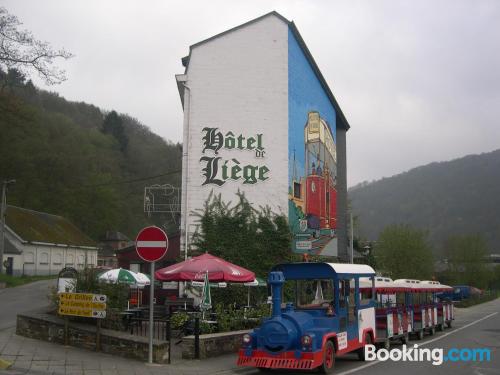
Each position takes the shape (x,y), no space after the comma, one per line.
(151,244)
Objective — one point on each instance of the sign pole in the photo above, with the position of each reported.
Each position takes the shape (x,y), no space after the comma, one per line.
(151,245)
(151,311)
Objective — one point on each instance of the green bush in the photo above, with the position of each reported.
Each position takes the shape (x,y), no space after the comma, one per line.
(476,300)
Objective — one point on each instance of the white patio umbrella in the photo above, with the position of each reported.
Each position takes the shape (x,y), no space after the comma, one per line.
(121,275)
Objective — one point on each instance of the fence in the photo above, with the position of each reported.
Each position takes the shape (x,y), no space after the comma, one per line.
(140,327)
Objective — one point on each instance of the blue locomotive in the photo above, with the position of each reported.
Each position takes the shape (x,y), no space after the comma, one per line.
(329,316)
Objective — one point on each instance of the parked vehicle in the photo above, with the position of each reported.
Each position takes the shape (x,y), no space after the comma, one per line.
(460,292)
(328,317)
(332,309)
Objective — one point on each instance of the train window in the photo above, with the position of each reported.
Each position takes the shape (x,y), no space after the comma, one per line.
(365,293)
(314,293)
(400,298)
(352,300)
(297,193)
(343,293)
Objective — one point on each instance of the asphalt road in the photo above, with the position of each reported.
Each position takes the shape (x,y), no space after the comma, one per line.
(23,299)
(474,327)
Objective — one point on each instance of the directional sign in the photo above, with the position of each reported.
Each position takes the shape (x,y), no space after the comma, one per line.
(83,304)
(89,297)
(151,244)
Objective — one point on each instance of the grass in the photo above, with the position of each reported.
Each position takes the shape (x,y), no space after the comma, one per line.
(12,281)
(476,300)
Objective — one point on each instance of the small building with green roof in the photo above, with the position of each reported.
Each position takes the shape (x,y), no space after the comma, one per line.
(38,243)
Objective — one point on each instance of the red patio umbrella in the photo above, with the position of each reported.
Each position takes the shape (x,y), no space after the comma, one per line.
(194,269)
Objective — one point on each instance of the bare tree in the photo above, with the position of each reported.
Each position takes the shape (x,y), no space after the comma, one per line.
(21,51)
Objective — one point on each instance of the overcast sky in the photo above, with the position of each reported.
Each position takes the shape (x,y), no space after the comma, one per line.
(419,81)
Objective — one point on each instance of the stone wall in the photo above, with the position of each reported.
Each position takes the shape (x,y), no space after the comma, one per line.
(51,328)
(213,345)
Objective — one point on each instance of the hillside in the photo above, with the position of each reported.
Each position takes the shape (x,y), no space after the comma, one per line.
(461,196)
(68,162)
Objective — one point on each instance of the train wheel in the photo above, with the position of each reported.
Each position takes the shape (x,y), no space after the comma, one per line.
(432,331)
(448,324)
(328,358)
(405,338)
(361,351)
(420,334)
(440,327)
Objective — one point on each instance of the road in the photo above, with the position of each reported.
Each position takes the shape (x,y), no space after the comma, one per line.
(474,327)
(23,299)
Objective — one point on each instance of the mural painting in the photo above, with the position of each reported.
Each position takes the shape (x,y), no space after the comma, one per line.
(312,191)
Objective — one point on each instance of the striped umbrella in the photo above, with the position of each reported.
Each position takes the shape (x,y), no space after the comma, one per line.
(123,276)
(206,299)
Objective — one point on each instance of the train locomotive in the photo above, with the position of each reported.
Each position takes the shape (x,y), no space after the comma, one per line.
(337,309)
(327,319)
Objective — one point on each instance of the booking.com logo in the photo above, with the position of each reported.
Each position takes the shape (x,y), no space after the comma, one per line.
(436,355)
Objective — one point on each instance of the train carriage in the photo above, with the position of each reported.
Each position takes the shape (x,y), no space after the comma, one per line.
(423,302)
(327,317)
(391,313)
(443,308)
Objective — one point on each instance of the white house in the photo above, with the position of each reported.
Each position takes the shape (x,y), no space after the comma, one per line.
(38,243)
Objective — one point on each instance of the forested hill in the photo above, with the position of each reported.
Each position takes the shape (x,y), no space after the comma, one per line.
(75,160)
(458,197)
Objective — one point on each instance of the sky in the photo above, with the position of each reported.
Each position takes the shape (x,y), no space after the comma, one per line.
(418,81)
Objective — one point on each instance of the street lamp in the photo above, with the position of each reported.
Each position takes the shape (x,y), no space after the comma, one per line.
(3,207)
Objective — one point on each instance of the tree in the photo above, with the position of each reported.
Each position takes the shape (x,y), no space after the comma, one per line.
(251,238)
(20,50)
(404,252)
(113,124)
(466,260)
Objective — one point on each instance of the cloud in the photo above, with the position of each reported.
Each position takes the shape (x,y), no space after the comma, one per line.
(418,81)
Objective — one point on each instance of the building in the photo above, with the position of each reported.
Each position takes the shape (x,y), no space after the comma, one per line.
(109,244)
(38,243)
(260,118)
(128,258)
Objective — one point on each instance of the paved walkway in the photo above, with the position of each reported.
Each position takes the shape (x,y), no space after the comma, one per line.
(36,357)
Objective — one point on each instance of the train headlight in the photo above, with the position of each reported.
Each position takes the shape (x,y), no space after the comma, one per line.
(247,339)
(306,340)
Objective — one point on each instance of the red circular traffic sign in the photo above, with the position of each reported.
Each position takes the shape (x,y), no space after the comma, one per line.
(151,244)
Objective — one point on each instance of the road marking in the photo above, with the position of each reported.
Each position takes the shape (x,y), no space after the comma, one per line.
(423,344)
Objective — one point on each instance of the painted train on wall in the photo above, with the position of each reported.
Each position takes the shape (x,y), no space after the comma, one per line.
(261,119)
(312,191)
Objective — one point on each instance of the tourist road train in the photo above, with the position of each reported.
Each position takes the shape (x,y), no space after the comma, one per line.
(338,309)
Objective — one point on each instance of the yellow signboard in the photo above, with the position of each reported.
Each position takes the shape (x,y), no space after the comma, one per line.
(82,304)
(88,313)
(82,297)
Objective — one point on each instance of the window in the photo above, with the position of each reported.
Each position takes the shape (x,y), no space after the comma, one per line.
(400,298)
(44,258)
(365,293)
(310,293)
(57,259)
(346,287)
(29,258)
(297,190)
(351,300)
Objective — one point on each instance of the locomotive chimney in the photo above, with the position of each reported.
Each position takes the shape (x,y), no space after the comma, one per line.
(276,280)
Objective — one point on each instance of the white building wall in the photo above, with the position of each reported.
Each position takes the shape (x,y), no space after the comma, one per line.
(238,82)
